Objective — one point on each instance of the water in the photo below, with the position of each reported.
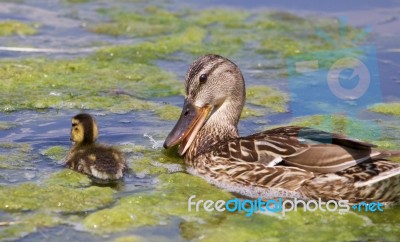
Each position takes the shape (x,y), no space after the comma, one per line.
(63,35)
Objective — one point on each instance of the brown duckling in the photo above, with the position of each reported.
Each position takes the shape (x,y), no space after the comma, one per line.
(96,160)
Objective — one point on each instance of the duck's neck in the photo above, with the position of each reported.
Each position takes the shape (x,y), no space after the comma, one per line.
(219,128)
(82,144)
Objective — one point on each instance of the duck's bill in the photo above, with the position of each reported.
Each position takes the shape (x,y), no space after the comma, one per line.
(191,120)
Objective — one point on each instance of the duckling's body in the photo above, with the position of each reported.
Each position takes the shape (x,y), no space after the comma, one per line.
(282,162)
(96,160)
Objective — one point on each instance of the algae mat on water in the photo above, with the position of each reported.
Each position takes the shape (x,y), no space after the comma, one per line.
(129,77)
(16,156)
(8,28)
(387,108)
(106,213)
(126,77)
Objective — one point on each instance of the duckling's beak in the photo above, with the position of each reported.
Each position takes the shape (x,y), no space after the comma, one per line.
(191,120)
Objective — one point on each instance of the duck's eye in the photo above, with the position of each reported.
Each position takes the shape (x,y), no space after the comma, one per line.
(186,112)
(203,78)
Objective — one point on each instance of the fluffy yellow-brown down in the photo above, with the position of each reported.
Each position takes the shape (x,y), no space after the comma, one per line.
(96,160)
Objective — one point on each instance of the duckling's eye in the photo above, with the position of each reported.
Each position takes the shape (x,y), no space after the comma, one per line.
(203,78)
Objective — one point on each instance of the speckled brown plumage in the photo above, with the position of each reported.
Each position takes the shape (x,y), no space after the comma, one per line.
(101,162)
(295,161)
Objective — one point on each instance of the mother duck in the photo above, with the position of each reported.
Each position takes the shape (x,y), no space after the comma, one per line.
(282,162)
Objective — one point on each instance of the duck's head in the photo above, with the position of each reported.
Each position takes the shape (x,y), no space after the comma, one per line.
(84,129)
(215,94)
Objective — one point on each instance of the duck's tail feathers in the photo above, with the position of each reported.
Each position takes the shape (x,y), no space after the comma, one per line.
(381,177)
(389,153)
(375,180)
(381,184)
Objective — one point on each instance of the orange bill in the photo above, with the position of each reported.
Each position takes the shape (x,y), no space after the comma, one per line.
(190,122)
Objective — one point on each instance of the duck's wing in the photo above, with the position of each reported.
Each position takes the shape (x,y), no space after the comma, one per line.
(304,135)
(306,148)
(251,179)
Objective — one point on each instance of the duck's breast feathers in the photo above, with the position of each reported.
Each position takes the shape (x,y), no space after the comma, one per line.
(306,148)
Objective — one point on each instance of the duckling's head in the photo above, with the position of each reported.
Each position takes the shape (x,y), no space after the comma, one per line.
(84,129)
(215,94)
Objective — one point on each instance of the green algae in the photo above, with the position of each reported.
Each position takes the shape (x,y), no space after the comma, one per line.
(59,79)
(170,199)
(119,79)
(77,1)
(229,18)
(168,112)
(390,133)
(123,78)
(8,28)
(160,48)
(287,34)
(386,108)
(152,21)
(56,153)
(25,224)
(129,239)
(352,127)
(55,198)
(15,156)
(396,159)
(267,97)
(23,147)
(263,99)
(289,45)
(296,226)
(154,161)
(144,166)
(226,31)
(58,84)
(249,112)
(333,123)
(384,134)
(120,218)
(68,178)
(386,144)
(147,209)
(7,125)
